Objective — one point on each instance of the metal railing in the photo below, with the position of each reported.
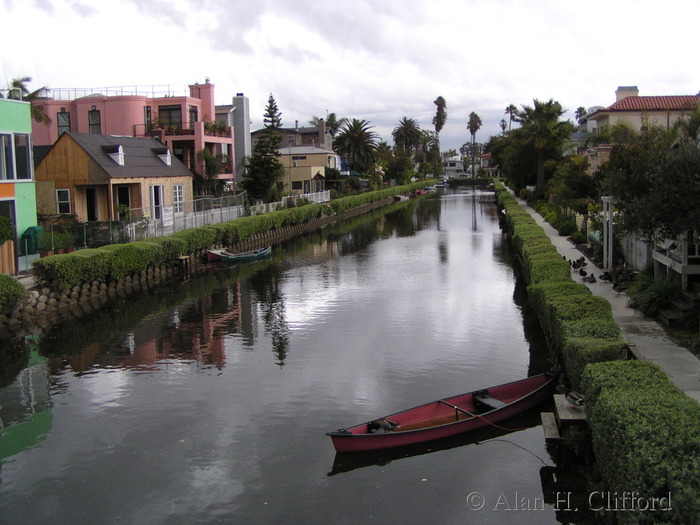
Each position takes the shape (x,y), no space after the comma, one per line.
(155,91)
(317,198)
(137,224)
(158,221)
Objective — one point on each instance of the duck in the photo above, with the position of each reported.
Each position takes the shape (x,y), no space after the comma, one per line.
(387,425)
(572,397)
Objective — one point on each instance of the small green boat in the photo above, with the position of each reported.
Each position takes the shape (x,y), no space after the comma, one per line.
(230,257)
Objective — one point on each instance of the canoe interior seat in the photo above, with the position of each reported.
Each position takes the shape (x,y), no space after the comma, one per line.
(483,400)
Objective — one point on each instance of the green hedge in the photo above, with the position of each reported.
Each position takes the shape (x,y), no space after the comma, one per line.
(578,325)
(10,292)
(646,438)
(114,262)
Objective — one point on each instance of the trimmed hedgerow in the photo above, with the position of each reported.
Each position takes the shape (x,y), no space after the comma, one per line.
(547,266)
(543,293)
(61,272)
(646,438)
(114,262)
(195,239)
(10,292)
(578,352)
(579,325)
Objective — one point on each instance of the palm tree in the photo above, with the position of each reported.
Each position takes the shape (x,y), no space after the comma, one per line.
(17,90)
(440,116)
(542,130)
(407,135)
(473,126)
(581,115)
(428,144)
(357,144)
(512,111)
(333,123)
(503,125)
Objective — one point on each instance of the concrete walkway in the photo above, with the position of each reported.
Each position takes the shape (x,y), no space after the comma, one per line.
(646,338)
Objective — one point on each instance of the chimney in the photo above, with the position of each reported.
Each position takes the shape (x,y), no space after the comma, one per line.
(626,91)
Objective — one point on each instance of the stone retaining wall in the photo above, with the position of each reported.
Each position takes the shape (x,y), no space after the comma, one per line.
(40,307)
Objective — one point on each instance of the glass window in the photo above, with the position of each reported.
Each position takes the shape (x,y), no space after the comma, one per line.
(23,154)
(178,198)
(170,116)
(63,122)
(63,201)
(94,122)
(193,116)
(297,185)
(6,170)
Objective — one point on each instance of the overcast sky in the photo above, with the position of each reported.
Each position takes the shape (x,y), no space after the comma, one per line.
(378,60)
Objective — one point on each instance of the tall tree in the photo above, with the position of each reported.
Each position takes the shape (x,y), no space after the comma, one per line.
(542,130)
(512,113)
(357,144)
(18,90)
(407,136)
(654,176)
(581,114)
(264,170)
(333,123)
(473,126)
(440,117)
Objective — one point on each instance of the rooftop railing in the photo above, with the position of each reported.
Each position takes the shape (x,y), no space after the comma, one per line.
(156,91)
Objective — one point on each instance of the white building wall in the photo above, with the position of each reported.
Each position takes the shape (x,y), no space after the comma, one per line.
(240,121)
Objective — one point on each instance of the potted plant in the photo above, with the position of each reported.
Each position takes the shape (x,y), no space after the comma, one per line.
(64,242)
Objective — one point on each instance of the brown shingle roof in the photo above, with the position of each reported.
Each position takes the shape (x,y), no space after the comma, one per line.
(659,103)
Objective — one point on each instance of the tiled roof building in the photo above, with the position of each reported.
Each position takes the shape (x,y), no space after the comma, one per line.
(638,112)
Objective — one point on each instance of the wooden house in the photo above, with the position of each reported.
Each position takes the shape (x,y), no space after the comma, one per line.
(99,177)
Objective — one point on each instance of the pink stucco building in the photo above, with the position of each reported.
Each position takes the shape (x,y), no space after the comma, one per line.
(186,122)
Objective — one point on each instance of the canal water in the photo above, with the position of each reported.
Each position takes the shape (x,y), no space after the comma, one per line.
(208,401)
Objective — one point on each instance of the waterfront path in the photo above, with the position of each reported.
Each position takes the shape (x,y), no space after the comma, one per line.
(646,338)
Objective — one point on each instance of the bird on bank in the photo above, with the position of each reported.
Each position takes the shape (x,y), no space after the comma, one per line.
(578,263)
(572,397)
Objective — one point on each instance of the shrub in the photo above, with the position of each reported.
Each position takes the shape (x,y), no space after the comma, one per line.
(578,352)
(578,324)
(195,239)
(61,272)
(541,294)
(646,437)
(5,230)
(579,238)
(10,292)
(566,227)
(649,295)
(543,267)
(625,375)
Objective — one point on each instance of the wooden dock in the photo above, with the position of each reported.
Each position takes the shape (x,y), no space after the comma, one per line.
(566,427)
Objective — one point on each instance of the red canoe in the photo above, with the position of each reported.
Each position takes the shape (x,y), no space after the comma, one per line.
(446,417)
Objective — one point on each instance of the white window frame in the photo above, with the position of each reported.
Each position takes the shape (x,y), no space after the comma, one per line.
(157,196)
(178,198)
(7,164)
(60,201)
